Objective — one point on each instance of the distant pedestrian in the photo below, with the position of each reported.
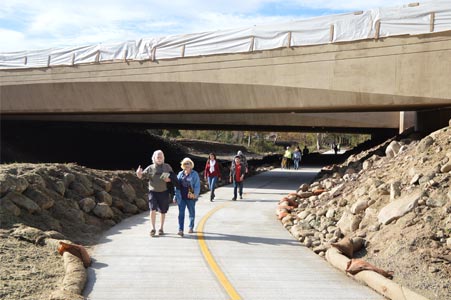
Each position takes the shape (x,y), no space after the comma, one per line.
(305,151)
(158,174)
(286,160)
(187,194)
(243,160)
(297,156)
(212,174)
(335,148)
(237,171)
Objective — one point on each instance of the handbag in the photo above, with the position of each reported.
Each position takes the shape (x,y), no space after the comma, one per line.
(191,195)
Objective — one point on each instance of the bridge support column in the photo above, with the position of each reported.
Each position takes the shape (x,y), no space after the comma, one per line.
(431,120)
(407,120)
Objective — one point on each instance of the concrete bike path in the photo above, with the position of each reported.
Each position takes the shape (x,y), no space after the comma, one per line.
(239,251)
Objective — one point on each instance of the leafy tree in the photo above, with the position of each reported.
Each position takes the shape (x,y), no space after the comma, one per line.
(263,142)
(170,133)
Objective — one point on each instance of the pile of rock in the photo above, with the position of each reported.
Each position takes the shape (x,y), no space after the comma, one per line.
(399,203)
(68,197)
(45,204)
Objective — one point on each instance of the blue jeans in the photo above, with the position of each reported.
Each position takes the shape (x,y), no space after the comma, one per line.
(296,163)
(237,185)
(212,183)
(183,204)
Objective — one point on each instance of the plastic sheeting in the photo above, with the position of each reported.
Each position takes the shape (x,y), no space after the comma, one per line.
(431,16)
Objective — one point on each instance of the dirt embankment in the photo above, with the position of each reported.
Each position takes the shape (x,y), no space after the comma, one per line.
(393,200)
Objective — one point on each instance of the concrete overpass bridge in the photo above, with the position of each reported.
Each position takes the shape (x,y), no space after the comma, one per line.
(349,86)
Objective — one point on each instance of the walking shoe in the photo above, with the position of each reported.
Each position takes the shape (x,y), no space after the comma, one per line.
(180,233)
(234,199)
(160,232)
(241,197)
(152,233)
(190,230)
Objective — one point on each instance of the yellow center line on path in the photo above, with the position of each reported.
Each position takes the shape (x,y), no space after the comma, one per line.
(209,257)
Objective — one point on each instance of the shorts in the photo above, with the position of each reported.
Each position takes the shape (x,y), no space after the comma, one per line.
(159,201)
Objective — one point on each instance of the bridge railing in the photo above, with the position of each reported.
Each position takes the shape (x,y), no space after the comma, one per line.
(413,19)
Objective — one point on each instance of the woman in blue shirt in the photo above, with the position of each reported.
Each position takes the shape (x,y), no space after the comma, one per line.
(187,193)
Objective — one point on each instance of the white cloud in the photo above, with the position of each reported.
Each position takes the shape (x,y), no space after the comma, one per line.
(217,21)
(10,39)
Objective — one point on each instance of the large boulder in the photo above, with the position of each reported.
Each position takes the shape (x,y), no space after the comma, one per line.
(349,222)
(104,184)
(11,183)
(104,197)
(398,208)
(84,179)
(359,206)
(446,168)
(392,149)
(39,197)
(68,178)
(142,204)
(9,207)
(103,211)
(128,191)
(58,186)
(87,204)
(23,202)
(424,144)
(437,198)
(130,208)
(79,188)
(34,178)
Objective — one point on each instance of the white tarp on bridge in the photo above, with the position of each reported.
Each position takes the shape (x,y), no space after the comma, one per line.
(413,19)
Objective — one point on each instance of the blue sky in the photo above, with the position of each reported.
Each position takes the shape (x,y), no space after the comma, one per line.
(42,24)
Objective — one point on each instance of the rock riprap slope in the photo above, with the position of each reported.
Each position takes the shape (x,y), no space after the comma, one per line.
(393,200)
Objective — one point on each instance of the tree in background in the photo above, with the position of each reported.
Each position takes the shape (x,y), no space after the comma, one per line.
(264,142)
(170,133)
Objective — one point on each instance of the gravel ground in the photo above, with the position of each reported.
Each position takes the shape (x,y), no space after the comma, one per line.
(28,271)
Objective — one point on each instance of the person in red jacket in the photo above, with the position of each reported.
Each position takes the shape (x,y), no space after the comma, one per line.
(237,171)
(212,173)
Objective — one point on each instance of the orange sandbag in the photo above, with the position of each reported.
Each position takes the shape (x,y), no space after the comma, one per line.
(282,214)
(345,246)
(290,201)
(285,207)
(318,192)
(356,265)
(76,250)
(283,201)
(293,194)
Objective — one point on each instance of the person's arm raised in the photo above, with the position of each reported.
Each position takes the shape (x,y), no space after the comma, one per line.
(139,172)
